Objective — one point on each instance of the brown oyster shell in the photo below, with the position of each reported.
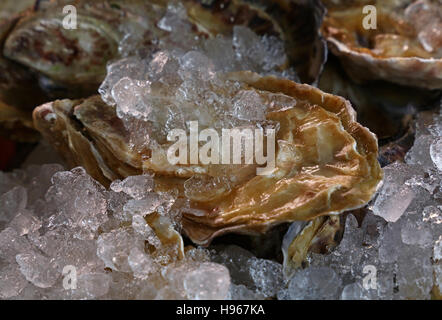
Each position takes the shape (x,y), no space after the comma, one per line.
(78,58)
(355,46)
(70,57)
(337,169)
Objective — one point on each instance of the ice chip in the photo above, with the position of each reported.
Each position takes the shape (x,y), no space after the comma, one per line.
(25,222)
(394,197)
(11,244)
(114,248)
(137,187)
(131,97)
(210,281)
(37,269)
(141,264)
(416,232)
(12,202)
(267,276)
(248,105)
(319,283)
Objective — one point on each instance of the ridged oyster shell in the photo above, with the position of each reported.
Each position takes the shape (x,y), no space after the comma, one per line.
(78,57)
(397,50)
(326,162)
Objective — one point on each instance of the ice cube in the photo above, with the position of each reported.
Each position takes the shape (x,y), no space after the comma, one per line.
(78,201)
(419,154)
(137,187)
(267,276)
(114,248)
(92,285)
(11,244)
(248,105)
(318,283)
(416,232)
(12,202)
(132,67)
(356,291)
(132,98)
(395,196)
(141,264)
(143,207)
(436,153)
(210,281)
(25,222)
(142,228)
(12,282)
(37,269)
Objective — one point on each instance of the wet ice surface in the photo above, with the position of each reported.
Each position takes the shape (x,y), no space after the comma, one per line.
(67,224)
(160,91)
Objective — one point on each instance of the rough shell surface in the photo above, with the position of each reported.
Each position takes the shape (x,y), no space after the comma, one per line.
(78,57)
(390,52)
(328,165)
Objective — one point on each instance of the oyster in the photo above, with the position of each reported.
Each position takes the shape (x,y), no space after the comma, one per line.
(111,29)
(70,57)
(325,161)
(403,47)
(386,108)
(318,235)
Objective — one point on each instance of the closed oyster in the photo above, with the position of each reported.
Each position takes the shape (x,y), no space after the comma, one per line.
(70,57)
(404,47)
(111,29)
(10,11)
(325,161)
(386,108)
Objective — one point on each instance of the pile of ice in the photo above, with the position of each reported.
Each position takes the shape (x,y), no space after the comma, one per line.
(179,81)
(64,236)
(243,50)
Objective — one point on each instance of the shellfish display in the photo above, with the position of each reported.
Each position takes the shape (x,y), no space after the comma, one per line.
(240,149)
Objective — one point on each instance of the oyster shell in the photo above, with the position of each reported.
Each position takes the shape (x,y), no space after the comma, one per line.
(326,162)
(70,57)
(386,108)
(303,237)
(404,48)
(78,57)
